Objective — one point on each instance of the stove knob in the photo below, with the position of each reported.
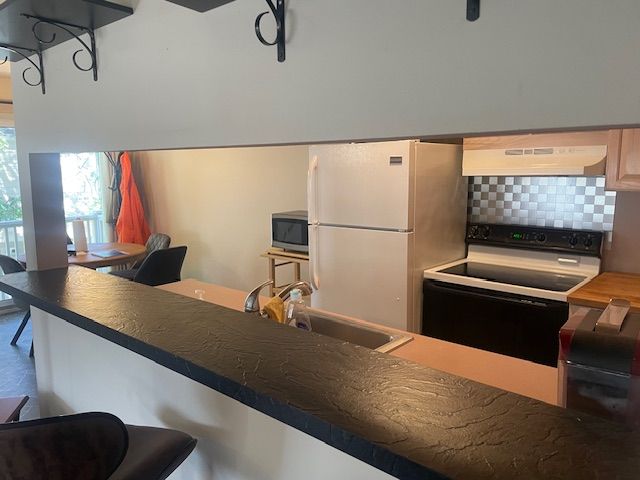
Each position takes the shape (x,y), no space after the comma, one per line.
(473,231)
(484,231)
(588,242)
(573,241)
(541,237)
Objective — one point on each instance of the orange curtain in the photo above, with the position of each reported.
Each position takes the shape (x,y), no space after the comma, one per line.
(131,226)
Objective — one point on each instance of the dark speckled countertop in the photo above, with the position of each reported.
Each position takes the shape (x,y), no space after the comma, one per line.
(407,420)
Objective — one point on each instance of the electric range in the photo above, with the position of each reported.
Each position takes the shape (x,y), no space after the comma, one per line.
(509,294)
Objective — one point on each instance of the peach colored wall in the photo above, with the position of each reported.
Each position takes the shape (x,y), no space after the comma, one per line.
(218,203)
(623,255)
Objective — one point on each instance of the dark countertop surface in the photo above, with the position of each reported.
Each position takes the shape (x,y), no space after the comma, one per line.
(407,420)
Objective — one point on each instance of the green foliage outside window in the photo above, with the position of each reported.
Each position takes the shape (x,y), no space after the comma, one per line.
(10,205)
(81,184)
(80,179)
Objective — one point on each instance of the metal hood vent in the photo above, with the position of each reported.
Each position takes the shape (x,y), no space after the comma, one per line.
(538,161)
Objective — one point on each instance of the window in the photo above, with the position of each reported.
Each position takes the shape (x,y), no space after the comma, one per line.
(11,232)
(10,206)
(81,185)
(82,188)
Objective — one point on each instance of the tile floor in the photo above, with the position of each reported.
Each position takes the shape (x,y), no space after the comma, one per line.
(17,370)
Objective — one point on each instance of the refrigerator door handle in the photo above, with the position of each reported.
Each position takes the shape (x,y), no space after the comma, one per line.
(313,260)
(312,190)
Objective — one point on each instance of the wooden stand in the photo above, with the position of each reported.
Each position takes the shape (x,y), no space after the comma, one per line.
(274,255)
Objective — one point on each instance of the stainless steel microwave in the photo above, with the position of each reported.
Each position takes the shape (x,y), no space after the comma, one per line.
(290,230)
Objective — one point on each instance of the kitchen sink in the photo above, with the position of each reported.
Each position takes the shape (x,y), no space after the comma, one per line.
(352,332)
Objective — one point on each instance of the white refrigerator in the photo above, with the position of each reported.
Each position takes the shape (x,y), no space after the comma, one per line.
(379,215)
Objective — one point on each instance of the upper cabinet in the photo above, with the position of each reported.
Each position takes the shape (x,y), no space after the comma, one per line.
(623,160)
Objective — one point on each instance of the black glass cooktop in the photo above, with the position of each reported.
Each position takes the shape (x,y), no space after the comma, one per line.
(556,282)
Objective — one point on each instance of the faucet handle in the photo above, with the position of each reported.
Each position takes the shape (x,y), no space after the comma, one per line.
(303,286)
(252,302)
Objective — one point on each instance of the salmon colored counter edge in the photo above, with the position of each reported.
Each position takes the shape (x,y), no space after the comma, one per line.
(511,374)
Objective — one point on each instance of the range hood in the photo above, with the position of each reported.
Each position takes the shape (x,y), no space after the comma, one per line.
(535,161)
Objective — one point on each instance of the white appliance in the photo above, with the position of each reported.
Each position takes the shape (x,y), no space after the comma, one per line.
(548,275)
(509,295)
(379,214)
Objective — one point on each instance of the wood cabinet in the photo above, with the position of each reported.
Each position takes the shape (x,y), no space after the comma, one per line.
(623,160)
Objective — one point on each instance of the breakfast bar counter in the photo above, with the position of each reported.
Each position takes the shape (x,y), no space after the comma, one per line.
(508,373)
(269,401)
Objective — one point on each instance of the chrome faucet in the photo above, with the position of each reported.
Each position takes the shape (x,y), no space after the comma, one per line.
(252,302)
(303,286)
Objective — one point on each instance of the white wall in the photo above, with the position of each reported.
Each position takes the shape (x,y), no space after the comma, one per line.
(171,77)
(82,372)
(358,69)
(219,203)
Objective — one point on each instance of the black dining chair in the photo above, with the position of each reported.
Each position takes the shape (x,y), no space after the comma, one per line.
(11,265)
(157,241)
(160,267)
(90,446)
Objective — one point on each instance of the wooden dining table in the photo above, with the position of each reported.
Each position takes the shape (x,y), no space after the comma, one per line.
(94,258)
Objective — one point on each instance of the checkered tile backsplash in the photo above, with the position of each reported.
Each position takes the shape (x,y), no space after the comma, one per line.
(563,202)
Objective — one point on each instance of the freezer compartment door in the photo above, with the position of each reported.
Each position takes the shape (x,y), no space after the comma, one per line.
(363,274)
(362,185)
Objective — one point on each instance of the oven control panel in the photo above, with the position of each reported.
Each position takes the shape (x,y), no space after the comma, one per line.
(584,242)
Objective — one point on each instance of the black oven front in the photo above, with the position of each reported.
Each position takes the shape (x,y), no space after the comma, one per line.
(518,326)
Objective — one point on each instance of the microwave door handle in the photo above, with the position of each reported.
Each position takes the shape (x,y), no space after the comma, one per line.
(312,189)
(313,257)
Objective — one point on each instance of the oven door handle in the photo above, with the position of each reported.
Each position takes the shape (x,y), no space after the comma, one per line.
(436,285)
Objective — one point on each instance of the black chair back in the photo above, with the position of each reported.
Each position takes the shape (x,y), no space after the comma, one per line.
(10,265)
(88,445)
(156,241)
(162,266)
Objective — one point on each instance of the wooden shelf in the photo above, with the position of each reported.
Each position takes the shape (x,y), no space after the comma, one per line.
(283,254)
(287,258)
(201,5)
(16,29)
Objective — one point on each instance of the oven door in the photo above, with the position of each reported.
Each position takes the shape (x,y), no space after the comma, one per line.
(518,326)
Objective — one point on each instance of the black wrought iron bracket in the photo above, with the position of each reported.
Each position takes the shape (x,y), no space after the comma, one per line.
(278,12)
(71,29)
(26,53)
(473,10)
